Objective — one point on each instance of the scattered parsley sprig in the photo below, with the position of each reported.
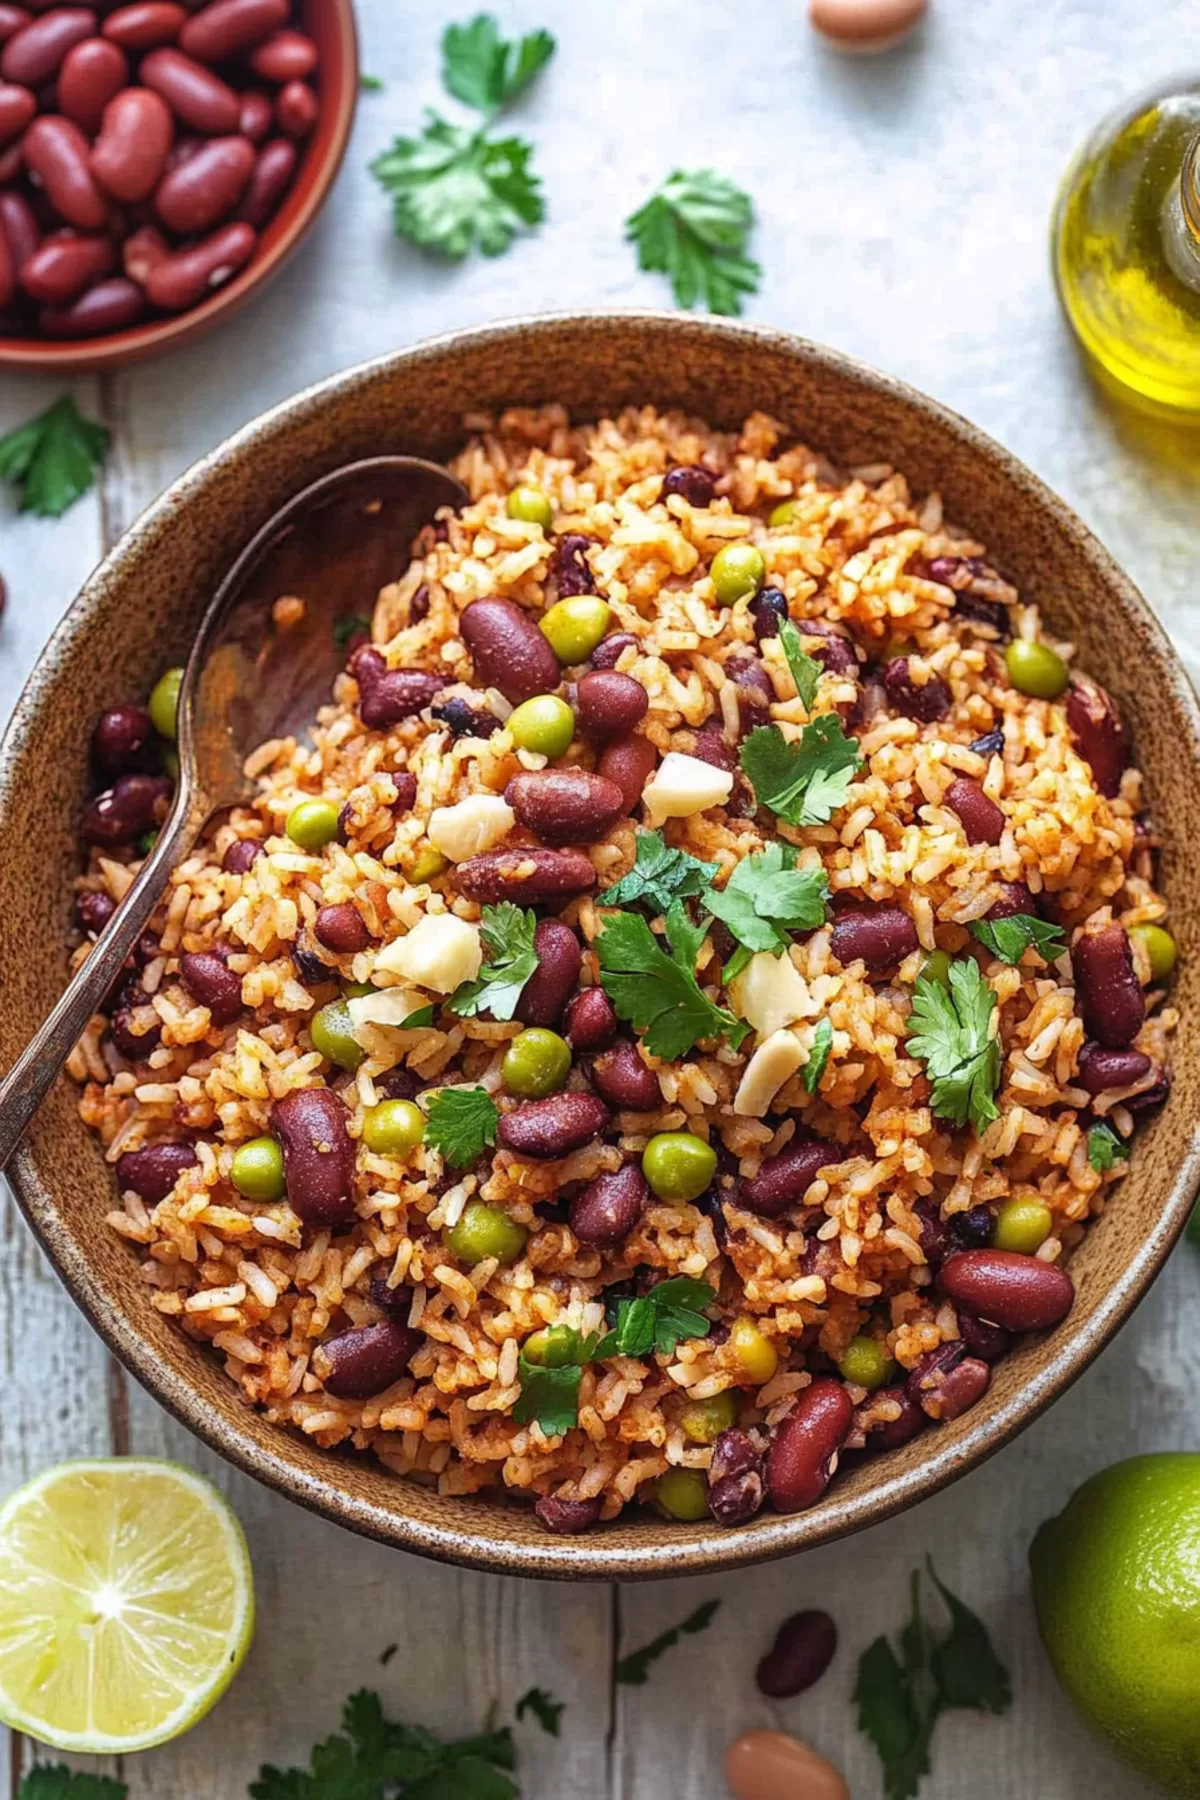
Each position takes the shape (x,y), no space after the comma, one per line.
(372,1757)
(806,671)
(803,783)
(1009,938)
(818,1056)
(545,1708)
(953,1037)
(549,1396)
(1105,1149)
(765,898)
(634,1669)
(508,934)
(694,230)
(654,988)
(54,1781)
(658,1321)
(461,1123)
(659,876)
(53,459)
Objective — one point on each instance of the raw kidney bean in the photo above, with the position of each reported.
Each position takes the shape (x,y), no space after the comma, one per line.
(210,980)
(803,1649)
(198,195)
(768,609)
(153,1172)
(691,481)
(12,161)
(12,18)
(318,1156)
(1015,1291)
(569,567)
(532,874)
(925,702)
(240,855)
(367,1359)
(1108,993)
(1101,1069)
(91,74)
(610,650)
(32,55)
(736,1478)
(890,1434)
(553,1127)
(287,56)
(566,1517)
(982,819)
(990,1343)
(188,275)
(227,27)
(508,650)
(878,935)
(135,140)
(65,265)
(146,25)
(396,694)
(946,1381)
(197,97)
(559,960)
(56,151)
(630,762)
(273,171)
(93,910)
(257,115)
(609,1207)
(565,806)
(608,704)
(1015,898)
(1099,734)
(341,928)
(17,107)
(122,737)
(296,109)
(783,1180)
(591,1021)
(133,805)
(805,1445)
(142,252)
(625,1082)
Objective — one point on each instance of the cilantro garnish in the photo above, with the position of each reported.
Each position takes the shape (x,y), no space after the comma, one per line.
(804,783)
(659,1320)
(417,1021)
(953,1038)
(53,458)
(549,1394)
(694,229)
(766,897)
(54,1781)
(806,671)
(544,1707)
(370,84)
(1105,1149)
(486,71)
(1010,938)
(350,625)
(508,934)
(461,1123)
(659,876)
(373,1757)
(655,989)
(900,1697)
(818,1056)
(633,1669)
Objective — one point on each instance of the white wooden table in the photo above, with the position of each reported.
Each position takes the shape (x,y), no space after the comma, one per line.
(903,207)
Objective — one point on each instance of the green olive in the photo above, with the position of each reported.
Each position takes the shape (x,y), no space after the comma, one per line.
(703,1421)
(553,1347)
(737,571)
(1035,669)
(678,1165)
(1160,947)
(312,824)
(257,1169)
(682,1494)
(936,967)
(483,1231)
(1022,1225)
(531,505)
(783,514)
(545,724)
(164,702)
(574,627)
(865,1362)
(332,1033)
(427,866)
(536,1063)
(393,1128)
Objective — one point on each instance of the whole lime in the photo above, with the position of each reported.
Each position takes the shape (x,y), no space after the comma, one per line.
(1116,1585)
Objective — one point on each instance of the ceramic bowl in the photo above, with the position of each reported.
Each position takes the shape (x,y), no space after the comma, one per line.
(139,611)
(330,23)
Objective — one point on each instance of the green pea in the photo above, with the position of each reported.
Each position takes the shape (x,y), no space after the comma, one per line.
(312,823)
(545,724)
(357,990)
(1035,669)
(531,505)
(332,1033)
(484,1231)
(536,1063)
(393,1128)
(737,571)
(428,866)
(257,1169)
(164,702)
(171,762)
(678,1165)
(936,967)
(703,1421)
(574,627)
(783,514)
(551,1348)
(865,1362)
(1160,947)
(1022,1225)
(682,1494)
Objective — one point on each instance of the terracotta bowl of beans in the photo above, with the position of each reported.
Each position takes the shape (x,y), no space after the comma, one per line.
(158,162)
(137,615)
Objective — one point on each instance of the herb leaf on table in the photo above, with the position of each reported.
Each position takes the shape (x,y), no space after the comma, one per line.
(633,1670)
(545,1708)
(694,230)
(54,1781)
(53,459)
(486,71)
(372,1757)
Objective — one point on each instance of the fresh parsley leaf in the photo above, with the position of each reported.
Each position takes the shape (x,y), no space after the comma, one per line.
(633,1669)
(549,1397)
(694,229)
(766,897)
(804,783)
(386,1655)
(54,1781)
(887,1715)
(53,458)
(544,1707)
(655,989)
(350,625)
(1105,1149)
(416,1021)
(486,71)
(452,189)
(372,1756)
(818,1056)
(659,876)
(1010,938)
(508,933)
(966,1668)
(668,1314)
(806,671)
(461,1123)
(953,1038)
(370,84)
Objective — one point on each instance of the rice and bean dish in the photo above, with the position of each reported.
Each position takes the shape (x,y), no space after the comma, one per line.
(665,1032)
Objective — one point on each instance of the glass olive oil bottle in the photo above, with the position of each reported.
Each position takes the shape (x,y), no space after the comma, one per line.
(1126,245)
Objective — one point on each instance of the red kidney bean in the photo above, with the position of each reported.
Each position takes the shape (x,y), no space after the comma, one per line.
(946,1381)
(890,1434)
(565,806)
(368,1359)
(93,910)
(65,265)
(752,686)
(111,305)
(982,819)
(508,650)
(834,651)
(566,1517)
(273,171)
(341,928)
(143,251)
(182,150)
(12,161)
(91,74)
(783,1180)
(803,1649)
(17,107)
(710,746)
(241,854)
(610,650)
(1108,994)
(56,151)
(153,1171)
(805,1445)
(12,18)
(1018,1292)
(1015,898)
(287,56)
(609,704)
(197,97)
(990,1343)
(20,227)
(553,1127)
(192,199)
(736,1478)
(532,874)
(210,980)
(570,570)
(591,1021)
(691,481)
(625,1082)
(318,1156)
(296,109)
(608,1208)
(1151,1096)
(188,275)
(257,115)
(133,805)
(1100,1069)
(136,135)
(630,762)
(1099,734)
(121,739)
(768,609)
(559,960)
(33,54)
(146,25)
(395,695)
(877,934)
(405,785)
(228,27)
(135,1046)
(366,664)
(925,702)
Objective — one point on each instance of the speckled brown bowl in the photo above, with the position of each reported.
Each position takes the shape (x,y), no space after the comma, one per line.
(141,607)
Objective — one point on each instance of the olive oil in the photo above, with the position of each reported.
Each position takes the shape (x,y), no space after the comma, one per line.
(1126,246)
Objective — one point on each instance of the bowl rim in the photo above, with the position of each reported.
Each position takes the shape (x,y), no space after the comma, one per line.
(586,1557)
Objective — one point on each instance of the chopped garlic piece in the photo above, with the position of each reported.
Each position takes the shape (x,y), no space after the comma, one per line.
(772,1064)
(770,993)
(682,785)
(473,826)
(439,952)
(390,1006)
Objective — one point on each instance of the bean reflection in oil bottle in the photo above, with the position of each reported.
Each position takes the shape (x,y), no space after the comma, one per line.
(770,1765)
(863,27)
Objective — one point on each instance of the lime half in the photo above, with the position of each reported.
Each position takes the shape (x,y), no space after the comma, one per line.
(126,1604)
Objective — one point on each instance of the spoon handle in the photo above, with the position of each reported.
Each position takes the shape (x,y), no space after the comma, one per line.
(33,1074)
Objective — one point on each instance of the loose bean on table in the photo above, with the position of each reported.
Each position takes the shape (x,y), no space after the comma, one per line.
(803,1649)
(770,1765)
